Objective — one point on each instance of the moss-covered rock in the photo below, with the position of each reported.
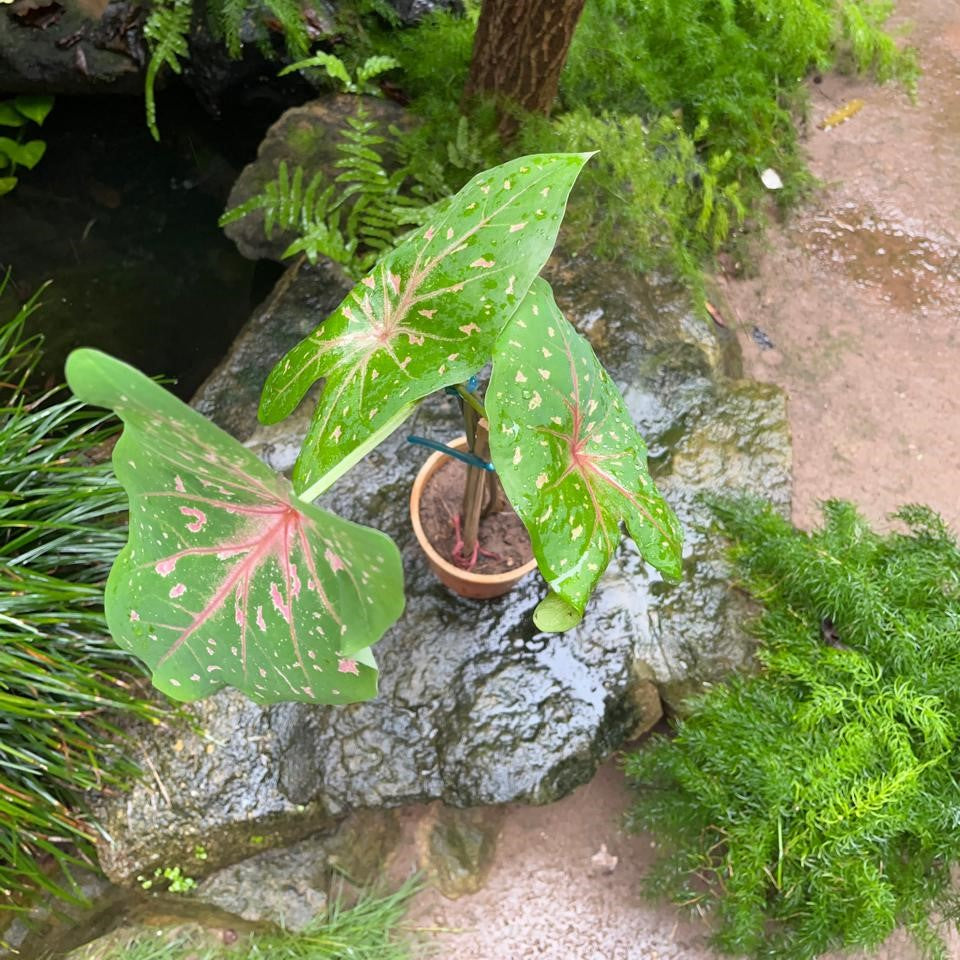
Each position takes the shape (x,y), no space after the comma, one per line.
(307,137)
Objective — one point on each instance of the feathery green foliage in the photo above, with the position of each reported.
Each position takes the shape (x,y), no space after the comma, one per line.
(686,101)
(816,805)
(168,26)
(649,188)
(312,212)
(62,681)
(736,66)
(366,931)
(230,19)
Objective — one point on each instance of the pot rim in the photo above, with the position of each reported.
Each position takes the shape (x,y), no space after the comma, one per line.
(429,468)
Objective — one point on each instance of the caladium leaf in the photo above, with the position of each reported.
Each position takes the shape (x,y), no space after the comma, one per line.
(571,461)
(227,578)
(428,314)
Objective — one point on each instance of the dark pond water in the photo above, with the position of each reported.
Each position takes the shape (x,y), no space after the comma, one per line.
(126,230)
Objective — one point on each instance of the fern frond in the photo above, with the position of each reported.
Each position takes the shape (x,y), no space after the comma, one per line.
(227,22)
(332,65)
(231,20)
(337,71)
(353,219)
(166,31)
(373,67)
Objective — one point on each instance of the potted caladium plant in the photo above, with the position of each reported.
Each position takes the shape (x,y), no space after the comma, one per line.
(232,576)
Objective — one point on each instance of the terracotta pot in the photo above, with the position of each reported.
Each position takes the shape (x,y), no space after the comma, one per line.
(475,586)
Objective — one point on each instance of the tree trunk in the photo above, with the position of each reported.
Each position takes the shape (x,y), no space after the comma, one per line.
(518,53)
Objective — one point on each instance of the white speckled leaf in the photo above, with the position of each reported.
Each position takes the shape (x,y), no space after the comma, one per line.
(227,579)
(569,457)
(428,314)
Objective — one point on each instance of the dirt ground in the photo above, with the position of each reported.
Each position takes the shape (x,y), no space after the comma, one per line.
(855,312)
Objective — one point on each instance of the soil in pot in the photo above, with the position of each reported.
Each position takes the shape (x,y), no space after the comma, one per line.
(504,543)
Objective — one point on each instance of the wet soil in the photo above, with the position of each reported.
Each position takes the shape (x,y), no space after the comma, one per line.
(504,543)
(859,293)
(854,309)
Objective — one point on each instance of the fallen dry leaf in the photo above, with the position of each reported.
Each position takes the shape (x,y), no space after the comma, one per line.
(603,862)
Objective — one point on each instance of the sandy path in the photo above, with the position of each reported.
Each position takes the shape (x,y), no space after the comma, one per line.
(860,297)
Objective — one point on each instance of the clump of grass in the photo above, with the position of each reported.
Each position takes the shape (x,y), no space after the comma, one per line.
(816,804)
(62,682)
(369,930)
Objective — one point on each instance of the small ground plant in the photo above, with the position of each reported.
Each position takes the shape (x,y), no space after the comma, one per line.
(816,805)
(62,683)
(21,148)
(368,930)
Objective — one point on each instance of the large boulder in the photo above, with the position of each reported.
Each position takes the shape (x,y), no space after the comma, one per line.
(476,706)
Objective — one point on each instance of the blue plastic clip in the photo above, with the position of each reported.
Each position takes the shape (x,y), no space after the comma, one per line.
(471,460)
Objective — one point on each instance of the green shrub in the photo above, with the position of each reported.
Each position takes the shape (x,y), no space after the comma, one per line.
(816,805)
(650,195)
(62,682)
(687,102)
(736,67)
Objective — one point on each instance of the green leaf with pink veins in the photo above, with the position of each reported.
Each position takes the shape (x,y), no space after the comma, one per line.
(426,317)
(570,459)
(228,579)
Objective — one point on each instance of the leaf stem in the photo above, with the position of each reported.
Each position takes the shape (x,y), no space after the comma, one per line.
(471,398)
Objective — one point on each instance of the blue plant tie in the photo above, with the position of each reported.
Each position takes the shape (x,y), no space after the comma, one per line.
(471,387)
(471,460)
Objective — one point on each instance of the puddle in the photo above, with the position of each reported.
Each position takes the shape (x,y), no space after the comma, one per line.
(126,230)
(876,252)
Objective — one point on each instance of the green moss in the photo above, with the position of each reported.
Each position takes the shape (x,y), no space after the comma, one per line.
(813,806)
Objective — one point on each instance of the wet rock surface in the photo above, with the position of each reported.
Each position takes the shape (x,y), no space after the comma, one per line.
(456,847)
(476,707)
(286,886)
(72,48)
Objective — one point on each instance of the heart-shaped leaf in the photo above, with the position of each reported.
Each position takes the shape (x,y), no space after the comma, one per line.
(34,106)
(428,314)
(7,184)
(24,154)
(570,460)
(227,578)
(10,116)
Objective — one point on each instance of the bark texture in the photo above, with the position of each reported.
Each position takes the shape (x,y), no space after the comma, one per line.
(518,52)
